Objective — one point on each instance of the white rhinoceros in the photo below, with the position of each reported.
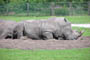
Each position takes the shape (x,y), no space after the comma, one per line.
(57,28)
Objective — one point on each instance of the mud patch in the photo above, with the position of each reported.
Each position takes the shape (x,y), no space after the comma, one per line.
(45,44)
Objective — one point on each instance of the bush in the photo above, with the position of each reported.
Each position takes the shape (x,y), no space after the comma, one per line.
(62,11)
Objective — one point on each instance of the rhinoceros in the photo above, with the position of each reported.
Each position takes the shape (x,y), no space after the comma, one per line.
(57,28)
(7,28)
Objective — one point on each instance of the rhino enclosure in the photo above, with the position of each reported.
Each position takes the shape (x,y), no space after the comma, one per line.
(70,9)
(45,9)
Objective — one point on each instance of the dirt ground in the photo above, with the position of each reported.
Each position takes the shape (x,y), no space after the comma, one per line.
(45,44)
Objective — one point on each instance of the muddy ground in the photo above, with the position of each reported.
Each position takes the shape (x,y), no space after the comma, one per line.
(45,44)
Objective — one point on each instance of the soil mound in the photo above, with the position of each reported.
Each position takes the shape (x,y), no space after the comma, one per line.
(45,44)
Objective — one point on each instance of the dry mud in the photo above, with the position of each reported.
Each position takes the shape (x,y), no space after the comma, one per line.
(45,44)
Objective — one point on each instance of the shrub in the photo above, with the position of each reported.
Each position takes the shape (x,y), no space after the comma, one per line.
(62,11)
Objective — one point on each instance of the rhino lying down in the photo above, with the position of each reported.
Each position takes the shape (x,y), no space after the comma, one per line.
(7,29)
(54,28)
(10,29)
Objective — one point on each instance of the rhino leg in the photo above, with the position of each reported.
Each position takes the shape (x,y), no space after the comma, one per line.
(18,31)
(4,35)
(33,36)
(60,38)
(19,34)
(48,35)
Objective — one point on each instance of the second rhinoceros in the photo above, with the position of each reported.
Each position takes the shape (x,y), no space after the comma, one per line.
(7,29)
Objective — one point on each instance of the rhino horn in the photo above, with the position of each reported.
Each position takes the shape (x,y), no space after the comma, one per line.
(80,36)
(81,32)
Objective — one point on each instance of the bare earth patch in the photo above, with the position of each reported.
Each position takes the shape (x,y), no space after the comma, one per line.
(45,44)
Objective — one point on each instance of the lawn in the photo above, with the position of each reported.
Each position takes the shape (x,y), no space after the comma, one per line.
(73,19)
(20,18)
(69,54)
(79,19)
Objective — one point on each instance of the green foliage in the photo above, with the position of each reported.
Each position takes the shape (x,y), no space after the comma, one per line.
(1,2)
(17,8)
(62,11)
(39,1)
(42,7)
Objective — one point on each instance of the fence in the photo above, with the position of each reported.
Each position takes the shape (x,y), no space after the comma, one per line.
(46,9)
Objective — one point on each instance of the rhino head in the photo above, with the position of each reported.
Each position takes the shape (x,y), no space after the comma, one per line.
(73,35)
(76,35)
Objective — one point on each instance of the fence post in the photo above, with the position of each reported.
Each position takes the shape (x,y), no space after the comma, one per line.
(27,5)
(70,9)
(89,8)
(7,8)
(52,9)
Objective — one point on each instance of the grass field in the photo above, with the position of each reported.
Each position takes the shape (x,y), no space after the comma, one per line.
(70,54)
(79,19)
(73,19)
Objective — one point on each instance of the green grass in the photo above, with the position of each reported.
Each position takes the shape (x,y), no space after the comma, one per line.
(20,18)
(73,19)
(79,19)
(69,54)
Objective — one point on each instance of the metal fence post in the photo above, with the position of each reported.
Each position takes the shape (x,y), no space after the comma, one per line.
(89,8)
(52,9)
(27,5)
(70,9)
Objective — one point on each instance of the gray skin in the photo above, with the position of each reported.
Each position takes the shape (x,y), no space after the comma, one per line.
(19,30)
(38,30)
(7,28)
(59,29)
(67,32)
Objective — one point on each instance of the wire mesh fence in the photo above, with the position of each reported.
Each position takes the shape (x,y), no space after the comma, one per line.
(46,9)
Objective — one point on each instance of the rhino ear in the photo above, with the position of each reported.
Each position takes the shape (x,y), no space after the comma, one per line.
(65,20)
